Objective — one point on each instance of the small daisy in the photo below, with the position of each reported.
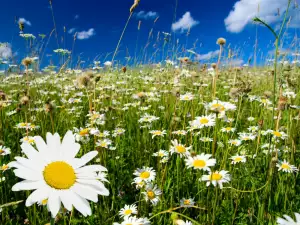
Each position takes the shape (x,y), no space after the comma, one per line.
(187,202)
(203,121)
(179,149)
(228,129)
(180,132)
(238,158)
(235,142)
(152,194)
(4,150)
(201,162)
(247,136)
(28,139)
(128,210)
(216,178)
(286,167)
(4,167)
(181,222)
(146,174)
(157,133)
(161,153)
(105,143)
(187,97)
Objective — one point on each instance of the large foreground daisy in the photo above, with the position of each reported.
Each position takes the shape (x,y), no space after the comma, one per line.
(57,176)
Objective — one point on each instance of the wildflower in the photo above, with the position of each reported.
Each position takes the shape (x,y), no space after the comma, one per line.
(221,41)
(201,162)
(157,133)
(105,143)
(128,210)
(152,194)
(187,97)
(180,132)
(55,174)
(286,167)
(187,202)
(179,149)
(228,129)
(161,153)
(28,139)
(146,174)
(235,142)
(203,121)
(216,178)
(238,158)
(247,136)
(4,150)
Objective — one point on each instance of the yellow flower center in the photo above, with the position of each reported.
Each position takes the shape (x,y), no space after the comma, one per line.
(234,142)
(216,176)
(186,98)
(204,121)
(103,144)
(187,202)
(1,151)
(228,128)
(218,107)
(285,166)
(44,202)
(30,141)
(238,159)
(127,211)
(277,133)
(151,194)
(84,132)
(199,163)
(145,175)
(246,138)
(161,154)
(59,175)
(180,149)
(157,133)
(4,167)
(22,124)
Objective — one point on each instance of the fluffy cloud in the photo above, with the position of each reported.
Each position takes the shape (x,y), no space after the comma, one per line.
(208,55)
(5,51)
(86,34)
(147,15)
(184,23)
(23,20)
(244,11)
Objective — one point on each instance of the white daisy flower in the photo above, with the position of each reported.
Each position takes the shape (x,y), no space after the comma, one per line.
(179,149)
(238,158)
(218,177)
(128,210)
(146,174)
(55,174)
(235,142)
(152,194)
(157,133)
(201,162)
(105,143)
(187,97)
(187,202)
(286,167)
(203,121)
(4,150)
(228,129)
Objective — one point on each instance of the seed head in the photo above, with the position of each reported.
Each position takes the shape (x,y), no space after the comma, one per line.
(27,61)
(221,41)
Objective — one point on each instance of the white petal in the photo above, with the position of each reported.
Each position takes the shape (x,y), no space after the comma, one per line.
(81,204)
(28,174)
(36,165)
(76,163)
(91,168)
(29,151)
(28,185)
(66,199)
(85,192)
(40,144)
(54,202)
(96,185)
(37,196)
(69,147)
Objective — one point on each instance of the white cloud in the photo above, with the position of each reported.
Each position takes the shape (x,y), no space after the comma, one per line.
(245,10)
(184,23)
(5,51)
(76,17)
(86,34)
(23,20)
(147,15)
(72,30)
(236,62)
(208,55)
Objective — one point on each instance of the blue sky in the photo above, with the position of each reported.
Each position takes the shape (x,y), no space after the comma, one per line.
(100,23)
